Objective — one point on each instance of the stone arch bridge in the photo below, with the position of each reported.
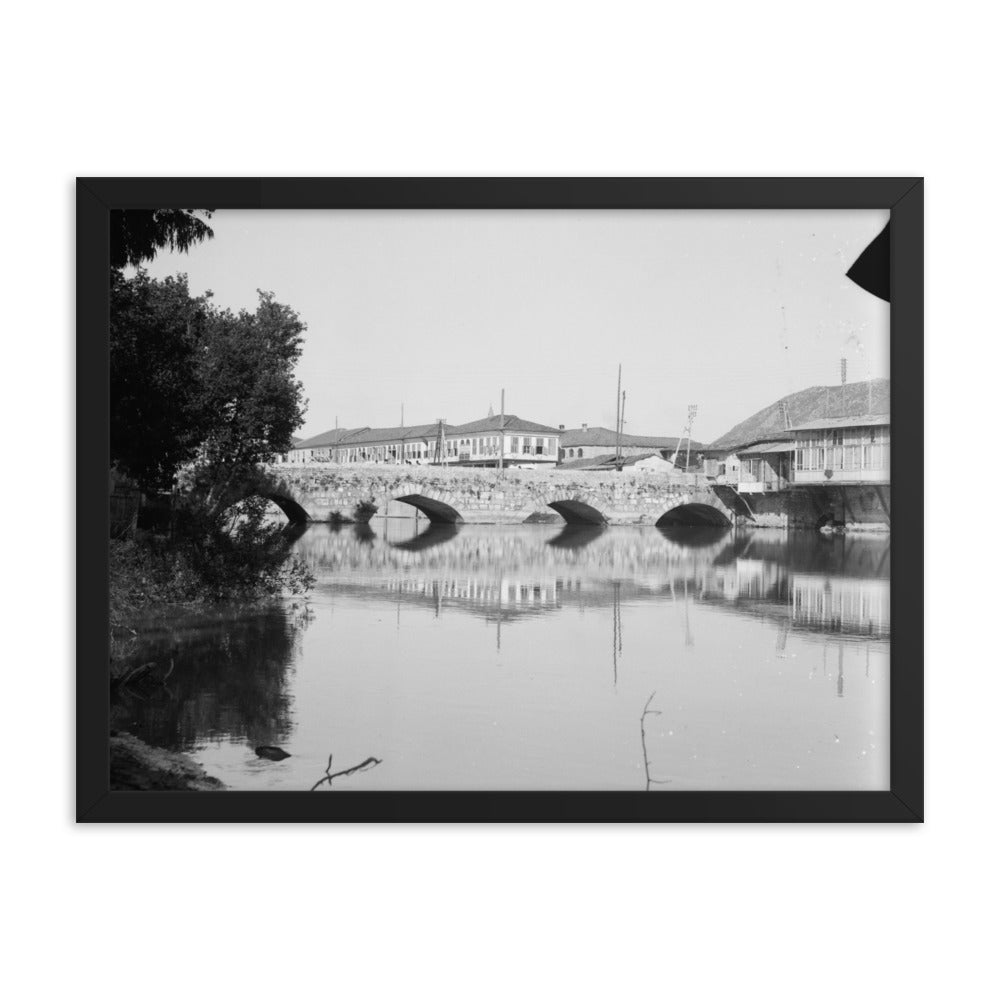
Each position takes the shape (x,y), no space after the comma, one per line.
(325,492)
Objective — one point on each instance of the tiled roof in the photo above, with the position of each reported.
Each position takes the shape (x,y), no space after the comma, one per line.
(876,420)
(768,448)
(324,440)
(603,437)
(805,406)
(390,435)
(604,461)
(356,436)
(360,436)
(511,423)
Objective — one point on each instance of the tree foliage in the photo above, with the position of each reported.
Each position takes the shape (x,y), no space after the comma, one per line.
(156,406)
(136,234)
(195,384)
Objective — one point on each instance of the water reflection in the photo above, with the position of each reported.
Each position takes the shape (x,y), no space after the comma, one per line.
(803,580)
(222,675)
(576,536)
(694,536)
(470,656)
(431,536)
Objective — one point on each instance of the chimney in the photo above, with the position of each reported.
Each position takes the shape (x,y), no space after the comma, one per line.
(584,426)
(562,427)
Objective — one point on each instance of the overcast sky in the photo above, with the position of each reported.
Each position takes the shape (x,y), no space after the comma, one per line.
(439,310)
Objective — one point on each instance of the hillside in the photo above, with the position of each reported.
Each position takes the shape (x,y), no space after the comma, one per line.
(808,404)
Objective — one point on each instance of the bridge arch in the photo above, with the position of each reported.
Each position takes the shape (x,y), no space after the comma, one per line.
(689,514)
(575,511)
(293,510)
(437,511)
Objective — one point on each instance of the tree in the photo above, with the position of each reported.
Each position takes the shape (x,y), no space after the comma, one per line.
(192,384)
(156,406)
(136,234)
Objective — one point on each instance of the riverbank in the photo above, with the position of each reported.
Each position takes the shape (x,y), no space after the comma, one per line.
(136,766)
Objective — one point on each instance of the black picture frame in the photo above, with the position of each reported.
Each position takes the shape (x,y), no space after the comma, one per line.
(903,197)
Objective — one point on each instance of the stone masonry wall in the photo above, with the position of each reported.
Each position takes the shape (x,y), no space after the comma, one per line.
(483,496)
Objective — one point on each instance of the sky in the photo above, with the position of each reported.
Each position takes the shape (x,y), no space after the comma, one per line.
(437,311)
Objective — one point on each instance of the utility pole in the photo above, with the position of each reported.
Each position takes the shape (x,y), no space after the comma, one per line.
(500,456)
(621,430)
(618,418)
(692,413)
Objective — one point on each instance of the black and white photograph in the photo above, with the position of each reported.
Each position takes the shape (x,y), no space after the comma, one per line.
(526,500)
(499,500)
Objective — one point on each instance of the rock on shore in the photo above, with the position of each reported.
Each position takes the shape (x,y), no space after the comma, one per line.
(136,766)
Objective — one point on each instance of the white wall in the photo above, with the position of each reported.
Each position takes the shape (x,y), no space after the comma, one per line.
(517,88)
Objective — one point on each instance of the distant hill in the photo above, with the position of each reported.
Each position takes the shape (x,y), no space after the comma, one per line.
(810,404)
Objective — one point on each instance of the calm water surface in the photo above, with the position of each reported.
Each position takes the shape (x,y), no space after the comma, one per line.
(543,657)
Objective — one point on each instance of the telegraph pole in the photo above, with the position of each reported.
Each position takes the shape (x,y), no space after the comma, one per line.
(500,456)
(621,430)
(692,413)
(618,418)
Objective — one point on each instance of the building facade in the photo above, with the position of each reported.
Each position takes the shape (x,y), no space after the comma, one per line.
(523,443)
(835,451)
(596,442)
(842,450)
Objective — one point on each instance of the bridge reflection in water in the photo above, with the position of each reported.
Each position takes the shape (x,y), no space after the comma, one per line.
(805,581)
(543,657)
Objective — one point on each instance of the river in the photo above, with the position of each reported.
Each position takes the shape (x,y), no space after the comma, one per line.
(541,657)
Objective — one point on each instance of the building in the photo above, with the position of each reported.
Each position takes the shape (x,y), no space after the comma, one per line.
(831,450)
(596,442)
(758,468)
(646,461)
(842,450)
(315,449)
(478,443)
(525,443)
(414,444)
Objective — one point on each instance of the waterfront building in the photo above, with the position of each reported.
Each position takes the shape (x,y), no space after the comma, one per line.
(524,443)
(831,450)
(842,450)
(646,461)
(478,443)
(412,444)
(319,448)
(596,442)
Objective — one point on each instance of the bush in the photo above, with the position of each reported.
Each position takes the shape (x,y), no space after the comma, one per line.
(194,567)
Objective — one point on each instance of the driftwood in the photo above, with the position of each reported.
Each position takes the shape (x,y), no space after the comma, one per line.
(642,732)
(365,765)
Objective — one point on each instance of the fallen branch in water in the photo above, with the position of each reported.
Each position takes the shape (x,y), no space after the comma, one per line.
(642,733)
(365,765)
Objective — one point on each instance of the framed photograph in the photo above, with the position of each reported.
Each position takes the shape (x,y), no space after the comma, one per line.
(471,499)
